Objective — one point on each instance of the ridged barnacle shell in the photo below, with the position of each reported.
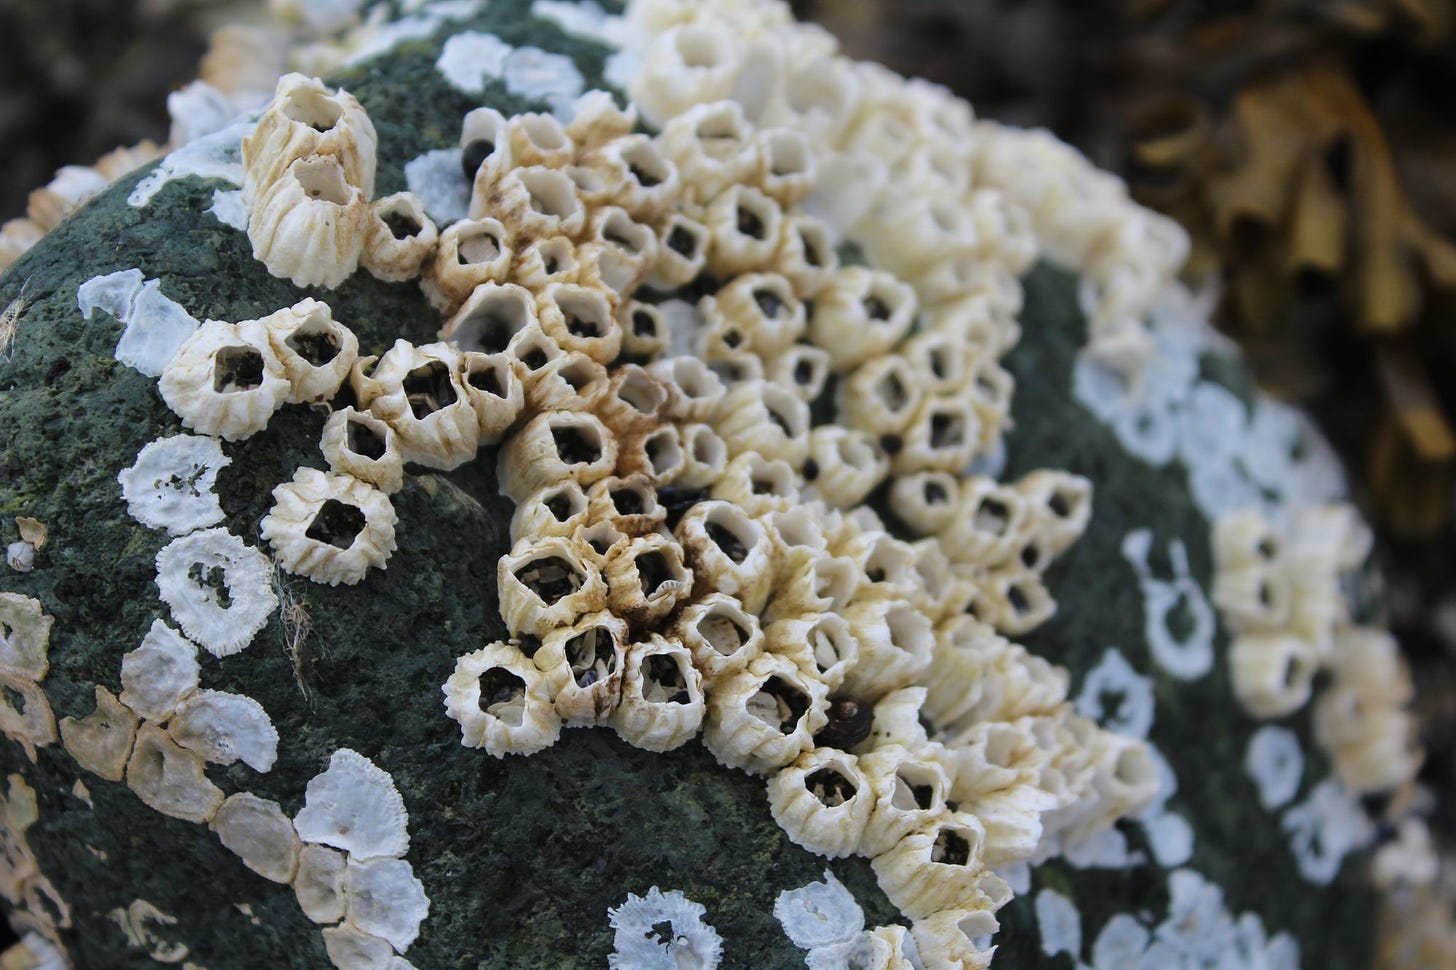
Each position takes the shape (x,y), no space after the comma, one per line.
(764,419)
(643,181)
(863,314)
(359,444)
(895,646)
(485,150)
(822,801)
(1061,507)
(644,330)
(470,253)
(729,551)
(421,393)
(765,308)
(398,238)
(990,522)
(502,701)
(217,587)
(599,120)
(662,696)
(558,509)
(618,252)
(225,380)
(304,119)
(495,392)
(943,435)
(546,583)
(995,756)
(646,579)
(585,664)
(552,447)
(810,581)
(939,867)
(330,528)
(539,139)
(1273,673)
(787,166)
(629,502)
(803,368)
(745,226)
(566,382)
(682,252)
(705,457)
(881,395)
(308,227)
(886,565)
(315,350)
(545,261)
(821,644)
(909,791)
(711,144)
(762,718)
(946,939)
(806,256)
(491,318)
(636,401)
(535,202)
(954,680)
(657,455)
(925,501)
(723,637)
(1124,781)
(581,319)
(693,389)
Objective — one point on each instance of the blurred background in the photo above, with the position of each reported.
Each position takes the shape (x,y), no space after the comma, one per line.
(1309,146)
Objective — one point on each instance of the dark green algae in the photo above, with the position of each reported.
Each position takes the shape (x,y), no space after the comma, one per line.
(521,857)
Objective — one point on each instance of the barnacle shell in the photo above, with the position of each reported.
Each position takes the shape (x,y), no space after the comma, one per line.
(25,713)
(729,550)
(646,579)
(939,868)
(945,939)
(354,806)
(330,528)
(662,696)
(225,380)
(385,900)
(308,227)
(548,583)
(190,567)
(169,486)
(909,792)
(256,830)
(502,702)
(552,447)
(318,883)
(821,644)
(358,444)
(101,741)
(398,238)
(305,119)
(169,779)
(558,509)
(420,392)
(315,350)
(469,253)
(588,660)
(822,801)
(895,645)
(1273,673)
(723,637)
(762,718)
(861,315)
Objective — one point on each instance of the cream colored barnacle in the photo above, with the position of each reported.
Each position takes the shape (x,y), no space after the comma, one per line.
(257,832)
(316,351)
(25,633)
(587,661)
(226,380)
(662,696)
(360,445)
(823,801)
(398,238)
(762,718)
(305,118)
(330,528)
(549,583)
(309,226)
(170,779)
(502,701)
(421,393)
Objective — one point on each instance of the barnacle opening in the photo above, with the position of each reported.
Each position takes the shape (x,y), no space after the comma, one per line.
(565,501)
(550,578)
(592,656)
(686,239)
(952,848)
(363,440)
(313,108)
(490,375)
(480,244)
(493,319)
(731,531)
(577,444)
(401,225)
(664,681)
(646,164)
(503,695)
(323,179)
(428,388)
(917,788)
(641,393)
(551,192)
(315,342)
(779,704)
(337,524)
(474,154)
(721,631)
(585,313)
(663,450)
(237,368)
(830,787)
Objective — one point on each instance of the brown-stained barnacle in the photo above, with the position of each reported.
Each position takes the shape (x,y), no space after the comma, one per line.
(547,583)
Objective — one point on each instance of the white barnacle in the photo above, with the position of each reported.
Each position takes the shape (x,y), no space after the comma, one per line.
(939,867)
(820,914)
(224,728)
(386,900)
(723,637)
(730,550)
(823,801)
(762,718)
(398,238)
(330,528)
(169,779)
(316,351)
(548,583)
(170,485)
(318,883)
(639,945)
(101,741)
(361,445)
(305,119)
(156,326)
(219,589)
(309,226)
(225,380)
(421,393)
(502,701)
(158,675)
(586,661)
(354,806)
(662,696)
(257,831)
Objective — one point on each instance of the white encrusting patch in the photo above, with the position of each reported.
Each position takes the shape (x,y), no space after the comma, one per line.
(1059,923)
(214,156)
(158,675)
(224,728)
(586,19)
(437,179)
(227,206)
(470,57)
(156,326)
(219,589)
(819,915)
(169,486)
(1177,618)
(354,806)
(1275,762)
(641,943)
(1117,697)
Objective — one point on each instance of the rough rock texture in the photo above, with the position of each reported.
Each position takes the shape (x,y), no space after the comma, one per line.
(520,858)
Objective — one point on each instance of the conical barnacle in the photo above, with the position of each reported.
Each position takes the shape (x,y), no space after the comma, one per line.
(199,572)
(398,238)
(662,696)
(585,663)
(939,868)
(558,509)
(909,792)
(705,457)
(765,306)
(992,757)
(881,396)
(225,728)
(101,741)
(581,319)
(644,330)
(318,883)
(257,832)
(225,380)
(549,582)
(159,674)
(646,579)
(536,202)
(657,455)
(629,502)
(682,252)
(568,381)
(316,351)
(895,645)
(1061,507)
(822,801)
(693,389)
(821,644)
(358,444)
(25,713)
(895,721)
(991,519)
(539,139)
(491,318)
(745,226)
(886,565)
(806,256)
(810,581)
(722,636)
(711,144)
(617,253)
(943,435)
(469,253)
(643,181)
(765,419)
(544,261)
(169,779)
(635,403)
(485,153)
(729,551)
(1253,596)
(786,165)
(502,701)
(955,678)
(308,226)
(329,528)
(861,315)
(946,940)
(803,368)
(305,119)
(762,718)
(495,391)
(1273,673)
(552,447)
(1124,781)
(420,392)
(597,120)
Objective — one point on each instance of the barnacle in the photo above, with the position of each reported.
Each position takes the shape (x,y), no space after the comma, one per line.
(331,528)
(160,674)
(226,380)
(218,588)
(503,702)
(169,486)
(315,350)
(354,806)
(256,831)
(169,779)
(224,728)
